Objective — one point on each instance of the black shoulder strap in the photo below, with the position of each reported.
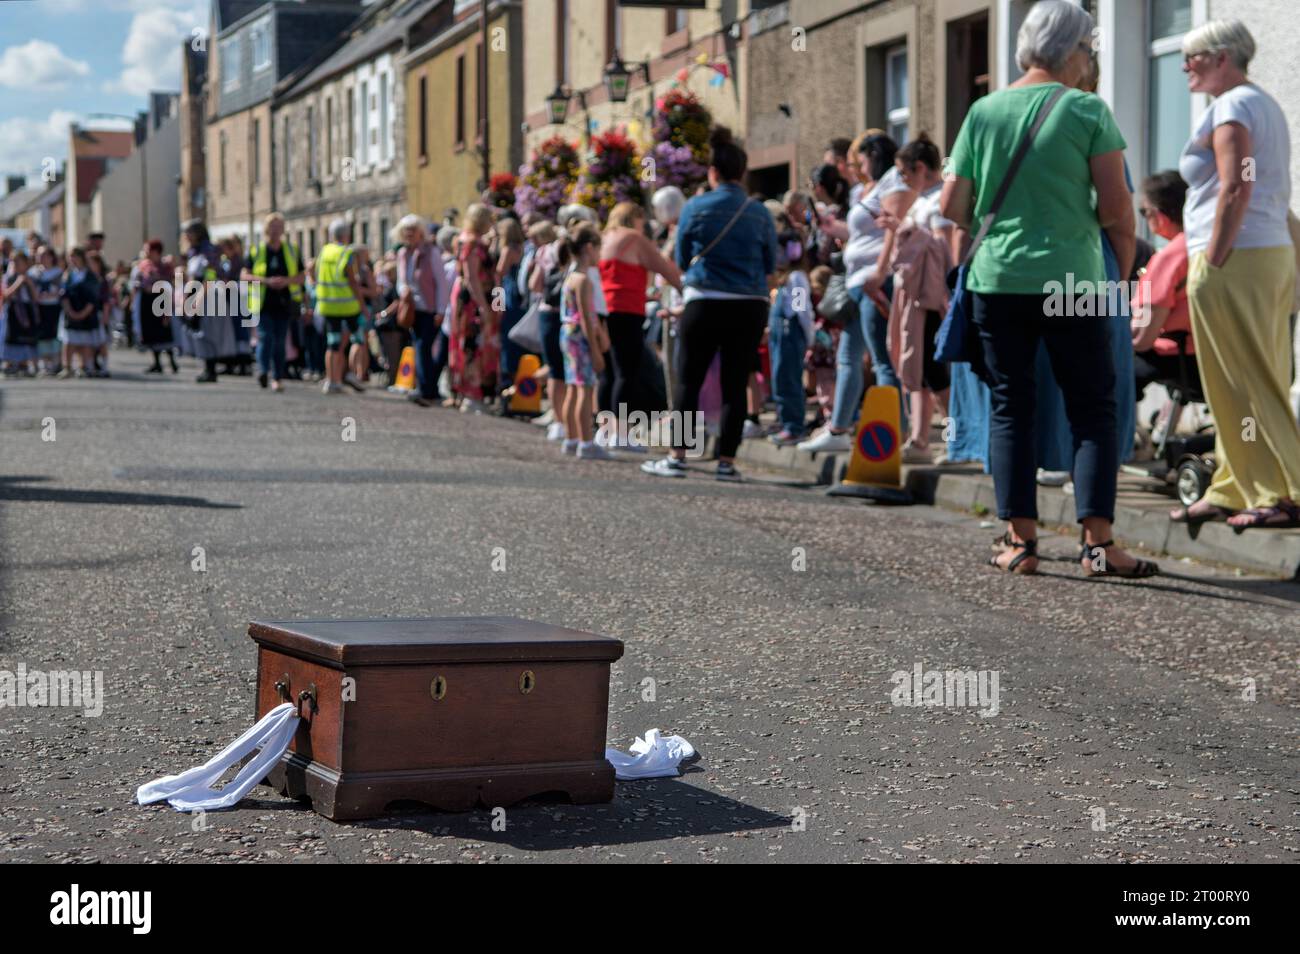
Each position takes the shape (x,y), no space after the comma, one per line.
(1016,161)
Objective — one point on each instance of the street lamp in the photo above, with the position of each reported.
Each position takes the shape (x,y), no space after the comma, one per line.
(557,106)
(618,77)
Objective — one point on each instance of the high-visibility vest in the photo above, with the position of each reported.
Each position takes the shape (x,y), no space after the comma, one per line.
(259,269)
(334,298)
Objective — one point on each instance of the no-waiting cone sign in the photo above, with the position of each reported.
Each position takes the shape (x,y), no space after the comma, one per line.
(875,469)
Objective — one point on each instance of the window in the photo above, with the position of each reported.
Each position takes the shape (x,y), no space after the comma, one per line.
(897,113)
(383,233)
(221,152)
(613,30)
(384,155)
(562,42)
(363,122)
(260,38)
(352,144)
(1169,108)
(480,98)
(288,165)
(676,21)
(329,136)
(229,64)
(257,152)
(365,234)
(311,144)
(460,100)
(424,116)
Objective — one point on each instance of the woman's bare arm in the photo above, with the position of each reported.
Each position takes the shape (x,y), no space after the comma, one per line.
(1115,208)
(1232,154)
(652,260)
(956,201)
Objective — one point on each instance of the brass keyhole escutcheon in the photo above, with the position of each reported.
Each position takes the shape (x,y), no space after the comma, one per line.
(438,688)
(527,681)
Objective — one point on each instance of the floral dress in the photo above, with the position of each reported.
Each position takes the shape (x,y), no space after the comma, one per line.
(476,348)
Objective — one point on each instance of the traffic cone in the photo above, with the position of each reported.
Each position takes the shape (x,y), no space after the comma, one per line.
(405,382)
(876,467)
(527,396)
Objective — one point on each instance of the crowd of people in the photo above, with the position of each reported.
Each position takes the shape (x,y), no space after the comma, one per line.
(723,301)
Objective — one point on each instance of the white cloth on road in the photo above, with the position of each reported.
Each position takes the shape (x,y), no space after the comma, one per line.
(192,791)
(652,757)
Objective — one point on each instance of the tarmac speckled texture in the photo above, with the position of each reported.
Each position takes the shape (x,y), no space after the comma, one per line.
(1124,730)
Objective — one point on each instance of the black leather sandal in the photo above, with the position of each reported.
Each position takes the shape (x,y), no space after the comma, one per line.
(1030,548)
(1140,570)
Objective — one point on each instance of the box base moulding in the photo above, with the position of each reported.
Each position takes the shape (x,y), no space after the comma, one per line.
(348,796)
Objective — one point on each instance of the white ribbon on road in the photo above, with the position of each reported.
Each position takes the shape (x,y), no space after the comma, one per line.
(192,791)
(652,757)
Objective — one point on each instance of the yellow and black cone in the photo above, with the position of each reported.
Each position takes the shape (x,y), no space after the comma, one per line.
(876,466)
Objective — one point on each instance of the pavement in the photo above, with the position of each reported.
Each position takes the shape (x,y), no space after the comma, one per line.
(1134,721)
(1141,511)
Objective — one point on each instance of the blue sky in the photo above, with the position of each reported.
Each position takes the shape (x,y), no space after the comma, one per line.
(63,59)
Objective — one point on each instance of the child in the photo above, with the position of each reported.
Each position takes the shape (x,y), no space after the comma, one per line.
(582,342)
(790,331)
(81,302)
(48,280)
(821,351)
(19,319)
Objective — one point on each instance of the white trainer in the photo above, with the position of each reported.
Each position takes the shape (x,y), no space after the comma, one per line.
(825,442)
(594,451)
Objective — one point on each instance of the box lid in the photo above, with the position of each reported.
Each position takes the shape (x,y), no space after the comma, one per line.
(376,642)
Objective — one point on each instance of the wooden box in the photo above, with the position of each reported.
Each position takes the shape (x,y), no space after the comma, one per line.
(452,712)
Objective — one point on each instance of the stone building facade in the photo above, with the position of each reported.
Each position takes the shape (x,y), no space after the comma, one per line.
(446,107)
(251,48)
(340,130)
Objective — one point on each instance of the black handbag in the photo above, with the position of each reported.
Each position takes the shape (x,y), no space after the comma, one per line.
(837,306)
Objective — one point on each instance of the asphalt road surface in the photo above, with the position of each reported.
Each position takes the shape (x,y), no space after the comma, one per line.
(1147,721)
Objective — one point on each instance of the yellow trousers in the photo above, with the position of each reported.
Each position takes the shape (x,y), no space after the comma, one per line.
(1241,323)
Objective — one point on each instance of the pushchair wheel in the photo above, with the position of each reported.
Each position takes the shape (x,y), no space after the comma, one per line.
(1193,480)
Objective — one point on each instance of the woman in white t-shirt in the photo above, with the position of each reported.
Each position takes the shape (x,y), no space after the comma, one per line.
(1241,282)
(885,198)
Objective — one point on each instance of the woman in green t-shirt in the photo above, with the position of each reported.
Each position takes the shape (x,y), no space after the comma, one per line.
(1039,275)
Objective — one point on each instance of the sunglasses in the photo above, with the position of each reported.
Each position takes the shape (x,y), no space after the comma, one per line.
(1187,58)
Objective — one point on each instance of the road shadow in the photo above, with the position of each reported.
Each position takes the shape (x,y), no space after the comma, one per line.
(1257,592)
(643,811)
(20,489)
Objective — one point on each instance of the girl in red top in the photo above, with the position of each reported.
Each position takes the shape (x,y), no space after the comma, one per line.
(627,257)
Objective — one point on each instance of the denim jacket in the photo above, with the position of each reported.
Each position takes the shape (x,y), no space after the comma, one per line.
(741,262)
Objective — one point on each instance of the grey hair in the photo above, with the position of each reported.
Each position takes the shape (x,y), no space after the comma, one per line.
(1230,36)
(668,203)
(1051,33)
(447,237)
(408,221)
(568,213)
(339,230)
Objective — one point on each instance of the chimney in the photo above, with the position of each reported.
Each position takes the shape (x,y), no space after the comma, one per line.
(14,183)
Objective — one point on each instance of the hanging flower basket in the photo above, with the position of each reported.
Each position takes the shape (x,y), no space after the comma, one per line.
(611,175)
(546,179)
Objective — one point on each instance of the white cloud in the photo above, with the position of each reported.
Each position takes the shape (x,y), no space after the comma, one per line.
(26,144)
(151,56)
(38,64)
